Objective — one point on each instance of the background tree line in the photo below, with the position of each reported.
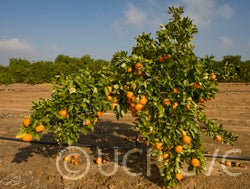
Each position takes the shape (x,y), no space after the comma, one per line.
(23,71)
(229,69)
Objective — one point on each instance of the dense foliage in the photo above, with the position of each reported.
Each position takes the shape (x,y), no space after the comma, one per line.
(162,83)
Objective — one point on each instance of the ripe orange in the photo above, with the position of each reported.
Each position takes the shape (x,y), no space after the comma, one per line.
(213,76)
(138,107)
(109,98)
(202,100)
(132,105)
(175,104)
(161,59)
(176,91)
(218,138)
(27,137)
(196,85)
(166,102)
(165,155)
(158,146)
(39,128)
(143,100)
(67,159)
(99,113)
(130,94)
(179,176)
(139,73)
(228,163)
(186,139)
(138,66)
(63,113)
(87,122)
(75,156)
(129,69)
(26,122)
(188,106)
(178,149)
(166,57)
(195,162)
(53,156)
(98,160)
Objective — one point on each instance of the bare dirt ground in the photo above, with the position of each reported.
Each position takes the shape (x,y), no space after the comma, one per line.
(30,165)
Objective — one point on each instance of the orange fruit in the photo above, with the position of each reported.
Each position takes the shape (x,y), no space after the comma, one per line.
(138,66)
(161,59)
(67,159)
(27,137)
(98,160)
(228,163)
(179,176)
(186,139)
(75,156)
(175,104)
(138,107)
(87,122)
(99,113)
(129,69)
(109,98)
(166,102)
(63,113)
(196,85)
(26,122)
(132,105)
(139,73)
(165,155)
(178,149)
(130,94)
(213,76)
(53,156)
(195,162)
(188,106)
(218,138)
(73,161)
(39,128)
(158,146)
(202,100)
(176,91)
(166,57)
(143,100)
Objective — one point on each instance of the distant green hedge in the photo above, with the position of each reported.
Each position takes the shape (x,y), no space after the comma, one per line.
(230,69)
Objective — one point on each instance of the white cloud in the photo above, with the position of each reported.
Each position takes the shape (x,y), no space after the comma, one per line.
(225,42)
(225,11)
(140,18)
(133,15)
(203,12)
(15,44)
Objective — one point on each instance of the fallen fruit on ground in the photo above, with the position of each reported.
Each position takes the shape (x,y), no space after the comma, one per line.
(98,160)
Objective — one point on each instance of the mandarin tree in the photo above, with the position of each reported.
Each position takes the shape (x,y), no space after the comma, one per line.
(162,83)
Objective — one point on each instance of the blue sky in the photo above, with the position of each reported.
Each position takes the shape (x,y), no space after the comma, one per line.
(42,29)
